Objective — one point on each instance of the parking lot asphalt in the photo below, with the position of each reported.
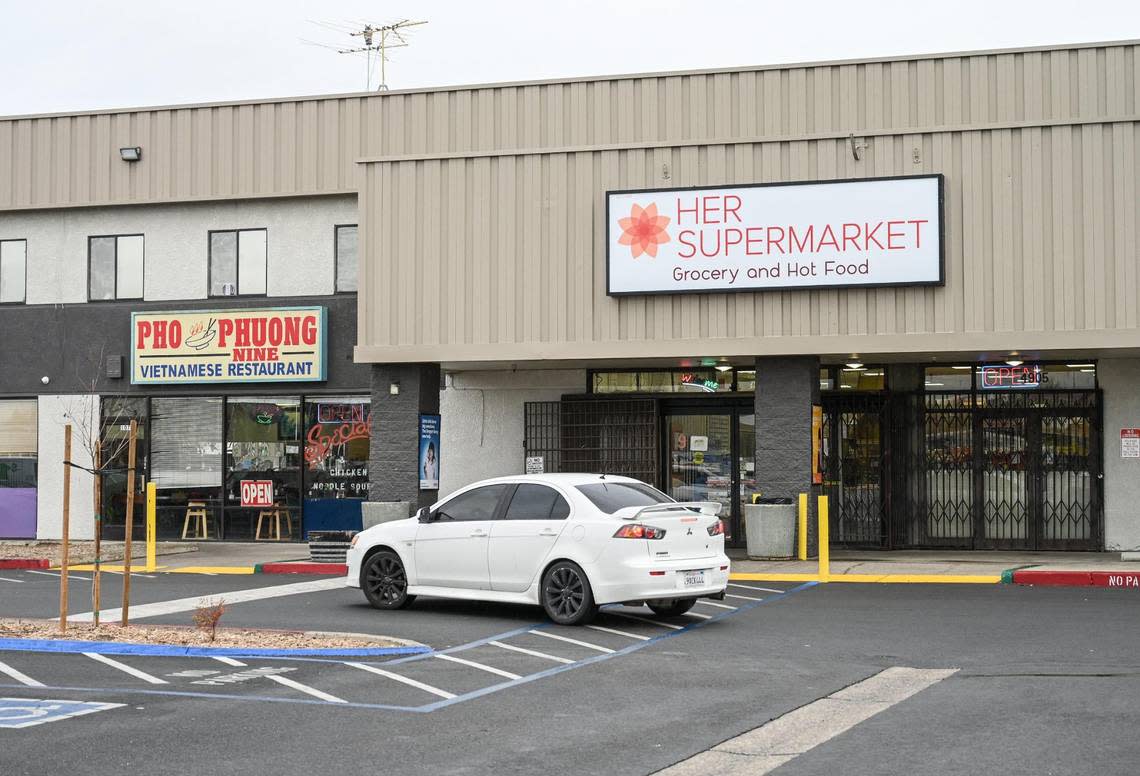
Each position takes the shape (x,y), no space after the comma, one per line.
(1043,675)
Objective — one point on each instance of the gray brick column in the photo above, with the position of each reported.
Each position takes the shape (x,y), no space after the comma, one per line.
(394,451)
(786,389)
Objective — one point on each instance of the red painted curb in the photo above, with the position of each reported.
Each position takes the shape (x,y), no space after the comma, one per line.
(25,563)
(332,569)
(1124,579)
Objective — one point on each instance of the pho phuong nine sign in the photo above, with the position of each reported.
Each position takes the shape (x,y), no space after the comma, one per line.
(867,232)
(220,346)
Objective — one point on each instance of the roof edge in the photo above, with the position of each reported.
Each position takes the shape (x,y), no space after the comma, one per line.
(581,79)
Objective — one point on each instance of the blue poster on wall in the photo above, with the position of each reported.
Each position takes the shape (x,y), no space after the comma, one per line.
(429,452)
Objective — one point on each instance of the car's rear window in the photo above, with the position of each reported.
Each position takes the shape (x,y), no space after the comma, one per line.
(612,496)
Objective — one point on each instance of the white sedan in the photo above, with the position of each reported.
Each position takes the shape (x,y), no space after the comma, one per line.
(569,542)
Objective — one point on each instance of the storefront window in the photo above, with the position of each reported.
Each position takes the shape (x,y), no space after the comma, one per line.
(18,469)
(864,378)
(948,378)
(186,466)
(263,443)
(695,380)
(826,381)
(337,436)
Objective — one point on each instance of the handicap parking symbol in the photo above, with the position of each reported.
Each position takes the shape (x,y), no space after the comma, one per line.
(25,712)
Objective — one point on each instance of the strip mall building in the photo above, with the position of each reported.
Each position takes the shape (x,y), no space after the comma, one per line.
(909,284)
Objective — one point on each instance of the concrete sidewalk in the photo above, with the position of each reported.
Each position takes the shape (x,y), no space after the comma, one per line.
(945,562)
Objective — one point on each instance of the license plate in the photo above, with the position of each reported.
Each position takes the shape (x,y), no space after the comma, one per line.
(692,579)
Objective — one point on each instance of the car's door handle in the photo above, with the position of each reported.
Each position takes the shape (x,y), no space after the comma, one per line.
(547,532)
(479,532)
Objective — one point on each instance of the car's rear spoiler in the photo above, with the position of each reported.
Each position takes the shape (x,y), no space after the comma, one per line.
(704,507)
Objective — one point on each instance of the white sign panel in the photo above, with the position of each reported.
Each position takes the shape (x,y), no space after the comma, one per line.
(699,444)
(535,464)
(876,232)
(1130,443)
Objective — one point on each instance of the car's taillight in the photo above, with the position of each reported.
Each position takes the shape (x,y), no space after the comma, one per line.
(639,531)
(717,528)
(352,541)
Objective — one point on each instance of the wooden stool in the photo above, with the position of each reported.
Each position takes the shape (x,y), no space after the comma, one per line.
(196,511)
(274,532)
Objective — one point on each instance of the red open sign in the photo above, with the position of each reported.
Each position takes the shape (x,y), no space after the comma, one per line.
(257,493)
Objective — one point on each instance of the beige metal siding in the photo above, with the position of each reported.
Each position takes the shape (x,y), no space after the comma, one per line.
(309,146)
(501,258)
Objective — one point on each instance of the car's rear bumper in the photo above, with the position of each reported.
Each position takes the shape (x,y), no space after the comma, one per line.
(648,581)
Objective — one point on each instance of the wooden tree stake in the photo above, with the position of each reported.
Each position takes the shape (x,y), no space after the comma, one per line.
(64,554)
(130,522)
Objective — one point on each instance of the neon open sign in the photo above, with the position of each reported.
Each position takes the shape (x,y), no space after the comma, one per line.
(1004,376)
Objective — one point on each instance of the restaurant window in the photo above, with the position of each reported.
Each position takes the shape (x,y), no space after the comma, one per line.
(238,262)
(263,443)
(115,267)
(826,379)
(337,436)
(347,252)
(18,468)
(13,271)
(186,466)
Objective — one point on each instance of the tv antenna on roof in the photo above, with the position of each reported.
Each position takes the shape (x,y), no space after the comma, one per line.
(377,40)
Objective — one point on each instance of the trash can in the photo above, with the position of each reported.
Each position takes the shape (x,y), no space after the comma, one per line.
(770,528)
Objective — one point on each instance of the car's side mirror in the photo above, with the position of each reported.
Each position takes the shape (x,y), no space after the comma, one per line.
(424,515)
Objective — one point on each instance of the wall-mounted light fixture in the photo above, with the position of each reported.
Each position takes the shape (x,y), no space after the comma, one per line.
(1015,362)
(130,153)
(854,365)
(394,389)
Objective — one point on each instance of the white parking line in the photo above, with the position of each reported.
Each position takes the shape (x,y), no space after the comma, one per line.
(45,573)
(480,666)
(229,661)
(532,652)
(718,606)
(698,614)
(404,680)
(586,644)
(22,678)
(232,597)
(639,618)
(8,579)
(760,589)
(744,597)
(126,669)
(617,632)
(763,749)
(324,696)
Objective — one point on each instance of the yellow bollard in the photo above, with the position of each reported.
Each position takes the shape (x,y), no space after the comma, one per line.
(151,539)
(824,542)
(801,533)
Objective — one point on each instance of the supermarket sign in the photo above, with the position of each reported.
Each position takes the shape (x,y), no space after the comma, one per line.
(280,344)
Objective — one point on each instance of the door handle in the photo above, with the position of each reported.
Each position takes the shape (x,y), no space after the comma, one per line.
(479,532)
(547,532)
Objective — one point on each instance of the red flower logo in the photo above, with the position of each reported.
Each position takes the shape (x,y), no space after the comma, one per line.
(644,230)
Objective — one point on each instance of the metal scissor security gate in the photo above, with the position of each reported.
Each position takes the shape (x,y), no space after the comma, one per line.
(978,470)
(615,436)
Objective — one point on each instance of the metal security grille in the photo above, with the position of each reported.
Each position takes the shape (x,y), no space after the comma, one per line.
(975,470)
(853,465)
(618,436)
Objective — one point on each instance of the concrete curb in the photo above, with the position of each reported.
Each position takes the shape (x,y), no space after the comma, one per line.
(126,648)
(1129,580)
(24,563)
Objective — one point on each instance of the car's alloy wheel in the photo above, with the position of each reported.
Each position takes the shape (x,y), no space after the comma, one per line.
(566,594)
(384,582)
(672,607)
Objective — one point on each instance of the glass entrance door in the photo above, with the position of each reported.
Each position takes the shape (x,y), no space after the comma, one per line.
(711,457)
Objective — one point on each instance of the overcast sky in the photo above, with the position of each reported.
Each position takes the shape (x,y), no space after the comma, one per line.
(68,55)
